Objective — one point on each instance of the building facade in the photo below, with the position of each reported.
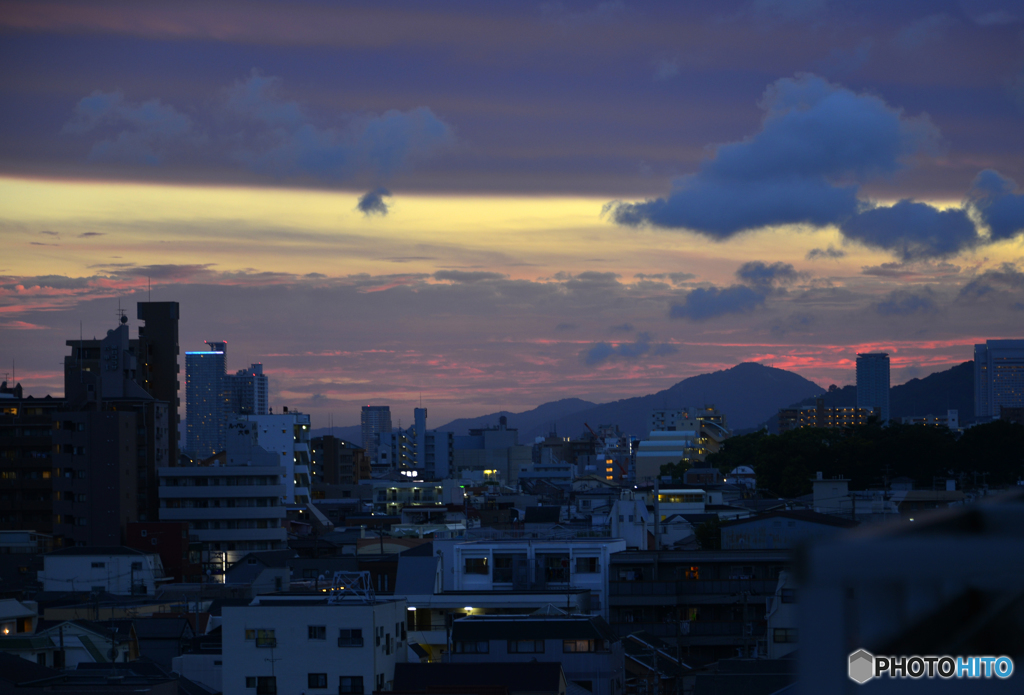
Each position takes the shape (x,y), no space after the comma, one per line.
(248,391)
(998,377)
(873,382)
(206,400)
(375,420)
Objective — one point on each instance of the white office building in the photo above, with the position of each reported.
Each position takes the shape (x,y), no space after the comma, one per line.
(116,570)
(998,377)
(249,391)
(287,435)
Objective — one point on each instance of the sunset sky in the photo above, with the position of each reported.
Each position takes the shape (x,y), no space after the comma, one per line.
(492,205)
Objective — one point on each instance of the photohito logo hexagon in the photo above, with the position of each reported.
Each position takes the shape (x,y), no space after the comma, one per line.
(862,666)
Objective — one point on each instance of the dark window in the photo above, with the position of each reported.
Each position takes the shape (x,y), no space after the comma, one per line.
(472,647)
(97,565)
(350,685)
(266,685)
(788,596)
(784,635)
(318,632)
(584,645)
(316,680)
(351,638)
(587,565)
(476,565)
(529,646)
(250,681)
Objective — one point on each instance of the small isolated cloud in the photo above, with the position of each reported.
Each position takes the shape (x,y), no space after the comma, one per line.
(707,303)
(87,235)
(622,327)
(997,202)
(767,277)
(905,303)
(913,230)
(831,253)
(566,327)
(47,232)
(136,132)
(467,277)
(602,352)
(760,280)
(818,141)
(372,203)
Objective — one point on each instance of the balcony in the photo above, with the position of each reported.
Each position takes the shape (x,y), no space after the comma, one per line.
(700,587)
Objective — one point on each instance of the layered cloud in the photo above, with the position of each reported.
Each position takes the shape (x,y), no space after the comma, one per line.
(819,143)
(759,281)
(256,126)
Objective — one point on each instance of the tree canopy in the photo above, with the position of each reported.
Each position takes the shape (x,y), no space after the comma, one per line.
(785,464)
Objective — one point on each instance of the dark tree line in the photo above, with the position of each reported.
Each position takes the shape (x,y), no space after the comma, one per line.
(870,454)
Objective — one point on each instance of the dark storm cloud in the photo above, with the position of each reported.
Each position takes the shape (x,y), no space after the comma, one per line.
(913,230)
(905,303)
(995,198)
(830,252)
(817,142)
(373,202)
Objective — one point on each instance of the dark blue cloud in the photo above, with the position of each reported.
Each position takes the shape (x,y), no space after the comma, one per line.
(830,252)
(995,198)
(913,230)
(464,276)
(706,303)
(817,143)
(994,282)
(602,352)
(762,275)
(372,203)
(905,303)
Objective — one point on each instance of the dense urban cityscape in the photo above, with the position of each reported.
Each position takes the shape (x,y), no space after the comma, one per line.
(565,347)
(604,561)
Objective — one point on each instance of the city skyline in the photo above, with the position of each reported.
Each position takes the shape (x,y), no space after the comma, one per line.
(392,206)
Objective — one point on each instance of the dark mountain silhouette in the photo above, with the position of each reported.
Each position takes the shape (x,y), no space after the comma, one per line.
(951,389)
(537,419)
(351,433)
(747,393)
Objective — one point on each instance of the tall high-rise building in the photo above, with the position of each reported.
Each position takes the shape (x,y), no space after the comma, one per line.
(249,391)
(998,377)
(375,420)
(158,368)
(206,400)
(873,382)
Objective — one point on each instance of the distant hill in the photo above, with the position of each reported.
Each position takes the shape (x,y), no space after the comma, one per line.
(539,418)
(351,433)
(951,389)
(748,394)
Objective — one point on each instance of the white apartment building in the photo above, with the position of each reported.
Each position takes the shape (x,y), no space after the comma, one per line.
(287,435)
(530,564)
(342,640)
(116,570)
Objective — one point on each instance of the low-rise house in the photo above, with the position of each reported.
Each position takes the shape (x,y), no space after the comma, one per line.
(116,570)
(489,677)
(780,529)
(589,652)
